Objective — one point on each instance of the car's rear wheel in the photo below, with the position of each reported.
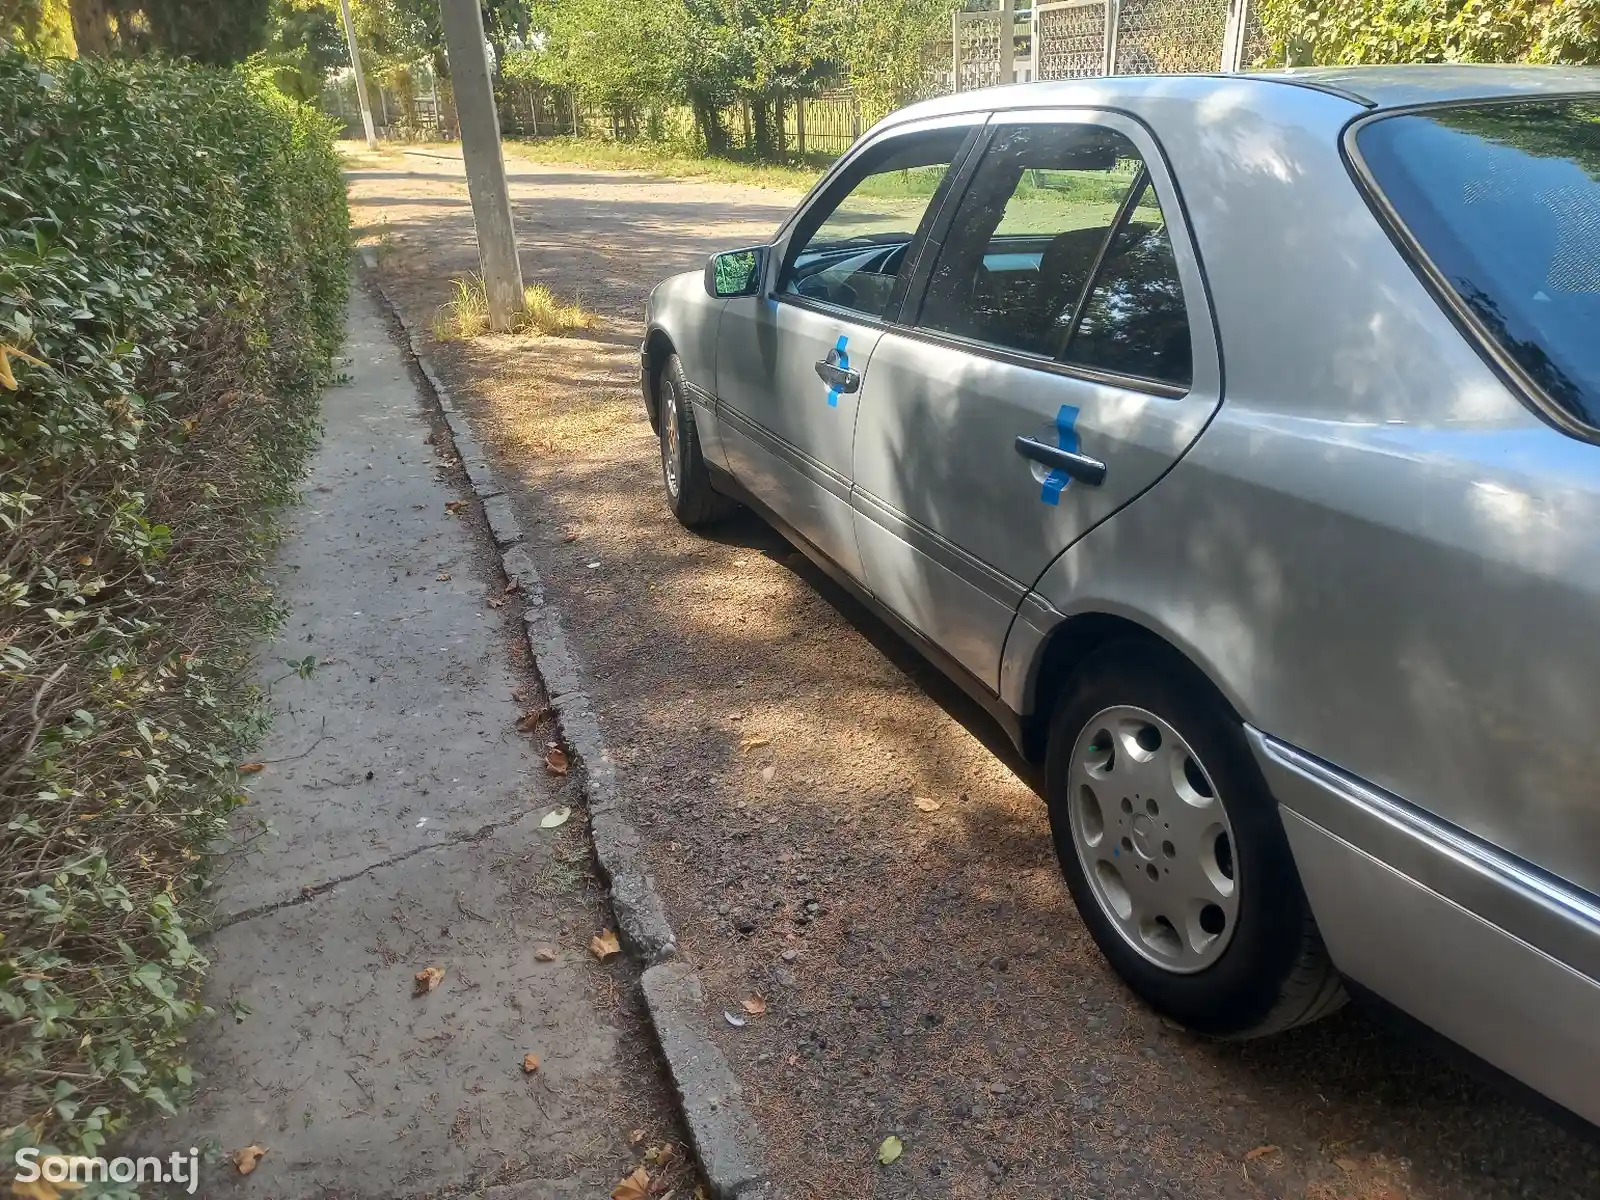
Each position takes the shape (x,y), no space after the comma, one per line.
(1174,851)
(683,466)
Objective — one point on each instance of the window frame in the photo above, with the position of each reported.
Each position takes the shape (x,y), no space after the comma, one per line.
(1454,306)
(831,190)
(1196,299)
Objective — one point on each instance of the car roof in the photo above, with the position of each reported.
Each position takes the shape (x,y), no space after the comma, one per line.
(1366,87)
(1427,83)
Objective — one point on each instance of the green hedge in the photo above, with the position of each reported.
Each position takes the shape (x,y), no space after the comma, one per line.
(1348,32)
(173,270)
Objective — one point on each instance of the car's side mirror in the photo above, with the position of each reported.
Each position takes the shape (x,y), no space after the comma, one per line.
(735,272)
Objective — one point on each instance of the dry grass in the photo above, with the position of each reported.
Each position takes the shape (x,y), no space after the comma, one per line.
(466,314)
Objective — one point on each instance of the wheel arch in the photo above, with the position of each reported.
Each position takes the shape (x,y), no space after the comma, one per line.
(1071,641)
(658,347)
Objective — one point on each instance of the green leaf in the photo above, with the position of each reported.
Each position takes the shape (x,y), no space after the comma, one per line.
(890,1150)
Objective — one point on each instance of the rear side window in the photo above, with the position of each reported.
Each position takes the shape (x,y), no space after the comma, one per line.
(1504,199)
(1058,249)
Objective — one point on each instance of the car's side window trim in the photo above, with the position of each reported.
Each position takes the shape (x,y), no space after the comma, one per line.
(829,196)
(1202,321)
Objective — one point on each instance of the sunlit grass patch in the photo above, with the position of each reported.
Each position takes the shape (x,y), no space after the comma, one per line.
(466,314)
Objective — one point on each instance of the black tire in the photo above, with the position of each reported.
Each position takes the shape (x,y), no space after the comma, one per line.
(683,467)
(1274,972)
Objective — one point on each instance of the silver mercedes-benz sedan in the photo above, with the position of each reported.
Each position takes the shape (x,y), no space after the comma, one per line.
(1236,441)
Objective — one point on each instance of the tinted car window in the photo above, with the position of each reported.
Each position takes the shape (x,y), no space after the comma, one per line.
(1505,201)
(1027,233)
(1134,322)
(852,244)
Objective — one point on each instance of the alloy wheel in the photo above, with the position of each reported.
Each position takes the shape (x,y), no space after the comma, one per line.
(1154,839)
(669,439)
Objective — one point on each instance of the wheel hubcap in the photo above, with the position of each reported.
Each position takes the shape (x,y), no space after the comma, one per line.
(1154,839)
(669,440)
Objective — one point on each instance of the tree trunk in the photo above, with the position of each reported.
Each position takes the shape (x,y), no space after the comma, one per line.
(761,118)
(91,26)
(709,121)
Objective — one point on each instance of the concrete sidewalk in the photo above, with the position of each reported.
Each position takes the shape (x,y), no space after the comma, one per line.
(406,814)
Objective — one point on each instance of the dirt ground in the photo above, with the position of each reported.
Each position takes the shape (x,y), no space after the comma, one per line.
(924,974)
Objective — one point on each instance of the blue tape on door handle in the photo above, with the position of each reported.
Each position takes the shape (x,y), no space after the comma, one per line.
(843,364)
(1066,439)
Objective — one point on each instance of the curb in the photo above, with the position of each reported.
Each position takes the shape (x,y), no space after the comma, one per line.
(729,1146)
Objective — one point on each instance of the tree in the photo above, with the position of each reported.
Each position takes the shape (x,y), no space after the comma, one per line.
(885,43)
(42,27)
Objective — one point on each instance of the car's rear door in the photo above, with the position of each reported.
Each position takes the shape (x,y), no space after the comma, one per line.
(791,359)
(1054,360)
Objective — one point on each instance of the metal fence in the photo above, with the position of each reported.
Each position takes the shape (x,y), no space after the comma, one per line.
(1057,39)
(1072,39)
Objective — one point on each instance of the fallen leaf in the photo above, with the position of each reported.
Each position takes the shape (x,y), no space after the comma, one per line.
(544,954)
(656,1155)
(426,980)
(496,602)
(767,773)
(530,1063)
(569,538)
(251,768)
(555,818)
(634,1187)
(555,761)
(754,743)
(529,721)
(604,945)
(891,1149)
(442,576)
(428,441)
(454,507)
(1260,1152)
(85,561)
(755,1006)
(513,585)
(635,1136)
(245,1160)
(924,804)
(736,1022)
(1347,1164)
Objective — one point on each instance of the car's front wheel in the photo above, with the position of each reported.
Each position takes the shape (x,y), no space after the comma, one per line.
(1174,851)
(683,466)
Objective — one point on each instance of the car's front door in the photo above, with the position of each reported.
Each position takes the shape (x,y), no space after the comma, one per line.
(790,360)
(1058,362)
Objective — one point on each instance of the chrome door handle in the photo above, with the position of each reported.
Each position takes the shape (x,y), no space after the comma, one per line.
(1080,466)
(840,378)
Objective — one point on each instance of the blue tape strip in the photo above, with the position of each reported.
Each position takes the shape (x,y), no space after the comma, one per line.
(843,364)
(1066,439)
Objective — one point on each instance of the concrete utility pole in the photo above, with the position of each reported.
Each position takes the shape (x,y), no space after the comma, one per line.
(486,167)
(361,79)
(1008,42)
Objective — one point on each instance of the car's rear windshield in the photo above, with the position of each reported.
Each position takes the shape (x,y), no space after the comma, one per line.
(1505,200)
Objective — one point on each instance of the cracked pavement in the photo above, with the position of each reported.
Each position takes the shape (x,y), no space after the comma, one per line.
(396,826)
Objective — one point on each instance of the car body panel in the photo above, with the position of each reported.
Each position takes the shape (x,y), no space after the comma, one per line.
(1376,549)
(680,309)
(786,435)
